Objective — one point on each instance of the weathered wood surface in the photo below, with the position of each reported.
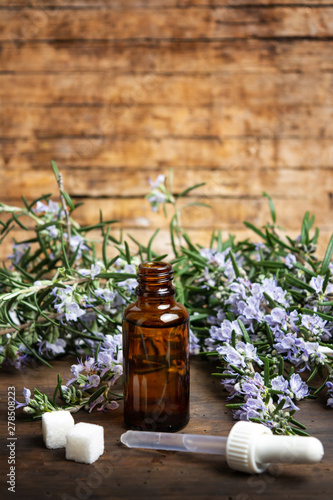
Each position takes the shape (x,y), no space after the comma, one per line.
(105,88)
(220,183)
(218,23)
(132,152)
(234,93)
(33,120)
(148,4)
(122,473)
(182,56)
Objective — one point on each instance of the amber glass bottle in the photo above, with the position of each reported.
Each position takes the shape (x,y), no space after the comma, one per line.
(156,354)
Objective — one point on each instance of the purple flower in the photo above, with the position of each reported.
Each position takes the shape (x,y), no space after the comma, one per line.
(68,305)
(104,361)
(253,408)
(251,386)
(295,388)
(239,356)
(75,242)
(329,385)
(230,354)
(293,320)
(110,355)
(130,284)
(290,260)
(213,320)
(229,271)
(105,404)
(251,309)
(97,401)
(207,253)
(317,283)
(92,272)
(159,180)
(51,208)
(239,289)
(105,294)
(277,316)
(93,381)
(53,349)
(26,395)
(224,332)
(299,388)
(53,231)
(88,366)
(108,405)
(316,325)
(290,345)
(129,268)
(155,198)
(279,383)
(313,349)
(298,352)
(75,371)
(112,343)
(194,343)
(73,311)
(156,195)
(207,278)
(19,250)
(230,383)
(277,293)
(249,352)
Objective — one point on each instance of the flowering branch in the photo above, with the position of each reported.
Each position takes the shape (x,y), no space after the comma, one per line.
(63,195)
(268,316)
(263,311)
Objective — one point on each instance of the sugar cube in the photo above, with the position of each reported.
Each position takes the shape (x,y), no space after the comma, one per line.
(85,443)
(55,425)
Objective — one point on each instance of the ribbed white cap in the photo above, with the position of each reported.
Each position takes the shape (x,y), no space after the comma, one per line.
(241,450)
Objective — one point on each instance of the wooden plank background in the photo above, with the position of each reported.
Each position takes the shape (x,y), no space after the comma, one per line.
(234,93)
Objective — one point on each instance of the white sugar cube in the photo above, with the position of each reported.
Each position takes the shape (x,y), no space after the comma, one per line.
(55,425)
(85,443)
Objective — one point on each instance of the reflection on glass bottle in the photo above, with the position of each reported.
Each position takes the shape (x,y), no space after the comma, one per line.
(156,354)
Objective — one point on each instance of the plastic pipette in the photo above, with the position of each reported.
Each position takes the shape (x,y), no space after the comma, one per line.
(249,447)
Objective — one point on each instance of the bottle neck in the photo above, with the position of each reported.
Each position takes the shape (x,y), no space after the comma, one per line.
(155,281)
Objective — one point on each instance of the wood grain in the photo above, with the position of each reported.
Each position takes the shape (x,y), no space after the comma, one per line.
(128,89)
(130,152)
(233,93)
(43,122)
(217,23)
(153,4)
(248,56)
(219,182)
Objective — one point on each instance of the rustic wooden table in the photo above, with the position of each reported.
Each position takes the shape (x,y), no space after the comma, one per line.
(124,473)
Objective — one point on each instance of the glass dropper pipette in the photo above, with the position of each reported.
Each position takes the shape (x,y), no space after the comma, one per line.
(249,447)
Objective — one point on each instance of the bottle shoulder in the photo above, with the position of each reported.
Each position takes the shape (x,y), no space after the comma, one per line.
(156,314)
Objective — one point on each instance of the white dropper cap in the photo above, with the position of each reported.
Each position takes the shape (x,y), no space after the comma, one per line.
(252,447)
(249,447)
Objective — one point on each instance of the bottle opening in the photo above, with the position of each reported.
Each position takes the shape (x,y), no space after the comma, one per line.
(155,267)
(155,271)
(155,277)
